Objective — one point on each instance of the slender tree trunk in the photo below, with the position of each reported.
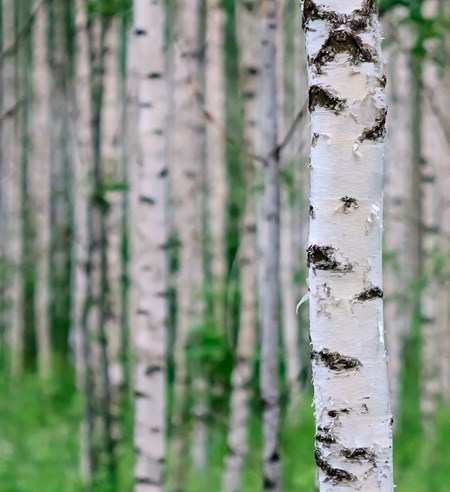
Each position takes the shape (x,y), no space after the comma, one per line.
(398,164)
(81,137)
(114,194)
(242,375)
(285,62)
(433,151)
(11,195)
(186,162)
(40,185)
(150,251)
(248,34)
(348,113)
(268,139)
(215,151)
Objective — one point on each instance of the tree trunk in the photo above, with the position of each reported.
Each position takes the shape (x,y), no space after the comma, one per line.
(269,376)
(215,152)
(150,251)
(248,34)
(397,277)
(40,186)
(433,152)
(113,184)
(187,165)
(11,196)
(81,140)
(242,375)
(348,113)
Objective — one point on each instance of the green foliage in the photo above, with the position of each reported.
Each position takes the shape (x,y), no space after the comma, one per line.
(39,442)
(109,8)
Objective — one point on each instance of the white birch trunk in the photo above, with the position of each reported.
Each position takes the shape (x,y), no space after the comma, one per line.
(242,375)
(11,196)
(150,253)
(112,142)
(40,186)
(348,112)
(187,167)
(248,34)
(397,278)
(215,151)
(289,297)
(81,138)
(269,302)
(433,151)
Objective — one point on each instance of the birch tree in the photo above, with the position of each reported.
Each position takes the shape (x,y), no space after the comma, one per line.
(187,183)
(398,164)
(248,35)
(150,252)
(40,185)
(348,114)
(215,150)
(269,377)
(11,196)
(433,151)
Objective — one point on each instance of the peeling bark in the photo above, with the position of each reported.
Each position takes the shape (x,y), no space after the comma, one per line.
(344,253)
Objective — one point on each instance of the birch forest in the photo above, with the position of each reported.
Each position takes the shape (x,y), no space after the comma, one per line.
(224,245)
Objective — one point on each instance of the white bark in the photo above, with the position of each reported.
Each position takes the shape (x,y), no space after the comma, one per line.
(40,185)
(269,302)
(150,253)
(215,150)
(112,142)
(248,34)
(288,262)
(351,393)
(187,166)
(81,136)
(397,278)
(242,375)
(434,150)
(11,196)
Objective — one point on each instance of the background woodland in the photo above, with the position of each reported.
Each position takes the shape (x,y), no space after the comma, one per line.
(132,244)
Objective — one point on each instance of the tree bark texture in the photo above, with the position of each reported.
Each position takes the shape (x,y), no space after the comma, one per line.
(348,114)
(150,248)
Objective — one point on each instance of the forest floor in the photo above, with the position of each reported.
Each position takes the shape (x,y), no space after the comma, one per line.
(39,446)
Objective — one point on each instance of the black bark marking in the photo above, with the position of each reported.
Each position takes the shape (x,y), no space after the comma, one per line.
(364,408)
(319,96)
(322,258)
(164,172)
(147,481)
(378,130)
(357,20)
(154,75)
(369,294)
(147,200)
(314,139)
(358,454)
(343,41)
(335,474)
(275,457)
(140,32)
(335,361)
(349,203)
(326,439)
(334,414)
(152,370)
(269,483)
(312,212)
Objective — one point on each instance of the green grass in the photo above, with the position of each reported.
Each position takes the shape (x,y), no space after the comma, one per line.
(39,446)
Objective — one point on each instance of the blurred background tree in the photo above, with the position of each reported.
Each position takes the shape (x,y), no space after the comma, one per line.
(135,242)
